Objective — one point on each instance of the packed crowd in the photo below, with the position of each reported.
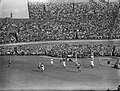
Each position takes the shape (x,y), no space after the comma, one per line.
(63,49)
(64,21)
(86,20)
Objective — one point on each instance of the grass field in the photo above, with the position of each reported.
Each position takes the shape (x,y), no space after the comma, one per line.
(21,74)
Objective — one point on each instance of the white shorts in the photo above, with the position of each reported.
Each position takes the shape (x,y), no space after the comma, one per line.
(92,63)
(43,68)
(64,63)
(51,62)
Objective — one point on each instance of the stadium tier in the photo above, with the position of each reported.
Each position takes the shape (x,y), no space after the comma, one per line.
(83,49)
(63,21)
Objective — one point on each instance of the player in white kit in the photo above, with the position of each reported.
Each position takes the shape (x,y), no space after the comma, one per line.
(92,60)
(42,67)
(51,62)
(64,63)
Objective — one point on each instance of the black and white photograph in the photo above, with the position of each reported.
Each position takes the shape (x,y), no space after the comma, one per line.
(59,45)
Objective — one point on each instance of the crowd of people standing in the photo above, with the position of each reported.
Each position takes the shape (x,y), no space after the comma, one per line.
(63,21)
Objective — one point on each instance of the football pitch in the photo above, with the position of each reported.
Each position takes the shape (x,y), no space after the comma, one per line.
(22,75)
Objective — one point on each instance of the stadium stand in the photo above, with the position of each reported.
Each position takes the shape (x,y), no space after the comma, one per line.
(63,21)
(58,50)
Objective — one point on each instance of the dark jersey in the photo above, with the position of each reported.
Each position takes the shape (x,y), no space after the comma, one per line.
(78,67)
(38,67)
(9,62)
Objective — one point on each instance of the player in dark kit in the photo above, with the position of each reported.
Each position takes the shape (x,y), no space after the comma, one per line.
(41,67)
(78,67)
(108,62)
(38,68)
(60,60)
(9,63)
